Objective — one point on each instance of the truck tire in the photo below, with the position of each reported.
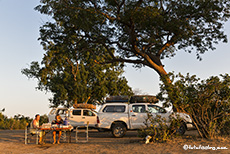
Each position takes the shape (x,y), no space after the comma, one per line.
(118,130)
(182,129)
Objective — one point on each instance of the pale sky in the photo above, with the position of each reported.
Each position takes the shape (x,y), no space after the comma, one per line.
(19,31)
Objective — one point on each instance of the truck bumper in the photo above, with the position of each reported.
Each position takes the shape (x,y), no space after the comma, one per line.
(190,126)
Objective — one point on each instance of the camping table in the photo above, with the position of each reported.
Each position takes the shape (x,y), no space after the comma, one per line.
(63,129)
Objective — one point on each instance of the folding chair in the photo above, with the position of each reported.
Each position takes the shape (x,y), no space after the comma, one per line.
(29,134)
(86,133)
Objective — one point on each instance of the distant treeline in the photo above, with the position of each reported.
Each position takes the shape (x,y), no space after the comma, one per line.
(18,121)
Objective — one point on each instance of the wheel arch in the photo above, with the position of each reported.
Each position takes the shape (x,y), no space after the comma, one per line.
(120,122)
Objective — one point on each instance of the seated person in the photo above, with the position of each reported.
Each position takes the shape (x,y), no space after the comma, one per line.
(58,121)
(35,126)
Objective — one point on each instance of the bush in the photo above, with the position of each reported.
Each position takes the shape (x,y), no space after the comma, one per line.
(160,129)
(226,129)
(18,122)
(43,119)
(207,101)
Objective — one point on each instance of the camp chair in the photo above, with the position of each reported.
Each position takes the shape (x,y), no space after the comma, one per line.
(29,134)
(86,131)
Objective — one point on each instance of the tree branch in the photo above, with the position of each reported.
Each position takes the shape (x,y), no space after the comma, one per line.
(98,11)
(122,60)
(166,45)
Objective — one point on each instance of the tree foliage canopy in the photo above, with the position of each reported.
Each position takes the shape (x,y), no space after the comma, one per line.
(141,32)
(76,80)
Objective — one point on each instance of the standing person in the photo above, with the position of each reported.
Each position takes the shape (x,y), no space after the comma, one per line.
(58,121)
(35,126)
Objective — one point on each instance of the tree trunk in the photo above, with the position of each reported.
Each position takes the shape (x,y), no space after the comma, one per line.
(156,64)
(163,74)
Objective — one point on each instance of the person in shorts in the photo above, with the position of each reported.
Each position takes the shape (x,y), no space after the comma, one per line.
(58,120)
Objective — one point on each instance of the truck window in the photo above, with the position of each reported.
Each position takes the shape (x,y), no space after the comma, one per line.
(114,108)
(88,113)
(61,111)
(76,112)
(139,108)
(156,109)
(52,111)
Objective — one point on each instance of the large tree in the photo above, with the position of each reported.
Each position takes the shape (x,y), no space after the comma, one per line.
(141,32)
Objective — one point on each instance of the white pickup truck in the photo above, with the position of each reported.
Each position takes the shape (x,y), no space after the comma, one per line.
(120,117)
(76,117)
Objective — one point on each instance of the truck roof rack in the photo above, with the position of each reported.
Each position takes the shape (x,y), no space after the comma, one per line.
(84,106)
(117,99)
(132,99)
(143,99)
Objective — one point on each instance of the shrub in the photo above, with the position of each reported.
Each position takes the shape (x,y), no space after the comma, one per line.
(18,122)
(207,101)
(43,119)
(159,128)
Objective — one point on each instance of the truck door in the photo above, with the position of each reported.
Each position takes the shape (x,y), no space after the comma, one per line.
(137,116)
(75,118)
(159,111)
(90,117)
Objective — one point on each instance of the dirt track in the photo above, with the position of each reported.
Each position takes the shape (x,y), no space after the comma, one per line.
(12,142)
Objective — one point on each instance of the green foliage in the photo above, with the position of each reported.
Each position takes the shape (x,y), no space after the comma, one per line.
(18,122)
(133,31)
(206,101)
(73,75)
(226,129)
(160,128)
(70,68)
(43,119)
(76,82)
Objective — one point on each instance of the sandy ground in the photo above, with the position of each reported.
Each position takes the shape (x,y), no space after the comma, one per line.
(12,142)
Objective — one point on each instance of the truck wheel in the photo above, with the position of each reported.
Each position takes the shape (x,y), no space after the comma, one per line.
(182,129)
(118,130)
